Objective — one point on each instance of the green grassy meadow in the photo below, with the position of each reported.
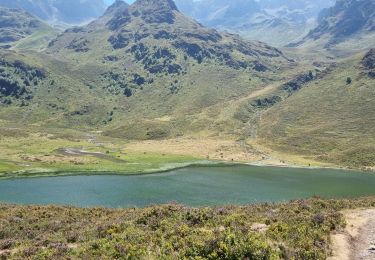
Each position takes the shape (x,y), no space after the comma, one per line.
(38,154)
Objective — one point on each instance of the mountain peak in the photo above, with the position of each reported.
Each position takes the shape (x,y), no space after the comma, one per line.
(118,15)
(119,6)
(156,4)
(155,11)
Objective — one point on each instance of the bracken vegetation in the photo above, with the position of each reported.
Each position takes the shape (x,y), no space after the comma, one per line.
(295,230)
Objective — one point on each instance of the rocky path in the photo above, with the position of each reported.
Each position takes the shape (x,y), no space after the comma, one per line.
(357,242)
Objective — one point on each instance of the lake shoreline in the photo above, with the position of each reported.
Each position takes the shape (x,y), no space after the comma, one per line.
(166,168)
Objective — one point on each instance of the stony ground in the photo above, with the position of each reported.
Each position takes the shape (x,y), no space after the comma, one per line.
(358,239)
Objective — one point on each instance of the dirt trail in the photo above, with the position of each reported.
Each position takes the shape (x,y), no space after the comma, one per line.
(357,242)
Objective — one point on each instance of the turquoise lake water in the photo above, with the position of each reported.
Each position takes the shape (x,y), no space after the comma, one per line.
(193,186)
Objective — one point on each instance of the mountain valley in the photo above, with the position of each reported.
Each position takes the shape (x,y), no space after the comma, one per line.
(147,77)
(223,109)
(272,21)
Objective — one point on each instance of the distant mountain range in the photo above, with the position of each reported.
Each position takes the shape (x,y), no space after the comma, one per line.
(277,22)
(347,20)
(16,24)
(60,12)
(21,29)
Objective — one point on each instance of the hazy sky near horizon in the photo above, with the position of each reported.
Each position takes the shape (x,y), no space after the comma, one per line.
(111,1)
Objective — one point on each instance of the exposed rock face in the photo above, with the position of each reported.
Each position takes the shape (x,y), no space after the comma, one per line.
(151,40)
(155,11)
(16,24)
(368,60)
(143,27)
(119,13)
(346,18)
(368,63)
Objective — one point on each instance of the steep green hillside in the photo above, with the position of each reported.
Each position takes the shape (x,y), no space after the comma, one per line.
(140,72)
(331,118)
(147,72)
(37,87)
(18,28)
(139,63)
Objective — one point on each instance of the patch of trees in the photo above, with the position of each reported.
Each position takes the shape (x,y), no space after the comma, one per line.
(80,112)
(111,58)
(123,38)
(266,102)
(128,91)
(221,53)
(158,60)
(140,51)
(174,87)
(125,85)
(118,41)
(162,34)
(212,36)
(258,66)
(17,81)
(79,45)
(139,80)
(11,87)
(193,50)
(298,82)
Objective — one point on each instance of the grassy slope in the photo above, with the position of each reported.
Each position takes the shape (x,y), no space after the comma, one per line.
(226,121)
(76,94)
(37,41)
(212,101)
(52,112)
(328,120)
(80,85)
(202,86)
(295,230)
(24,31)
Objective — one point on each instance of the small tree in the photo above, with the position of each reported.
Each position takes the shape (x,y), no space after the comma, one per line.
(348,80)
(128,92)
